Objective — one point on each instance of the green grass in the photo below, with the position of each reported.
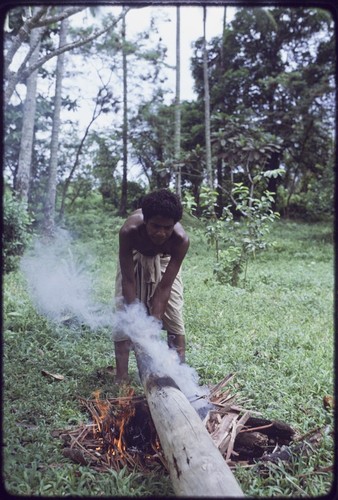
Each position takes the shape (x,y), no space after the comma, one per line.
(275,333)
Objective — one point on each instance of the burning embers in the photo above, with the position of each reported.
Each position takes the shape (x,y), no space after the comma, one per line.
(121,434)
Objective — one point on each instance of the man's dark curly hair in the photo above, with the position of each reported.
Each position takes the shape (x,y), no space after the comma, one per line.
(162,202)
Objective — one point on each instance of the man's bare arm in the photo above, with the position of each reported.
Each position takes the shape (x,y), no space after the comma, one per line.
(163,289)
(127,265)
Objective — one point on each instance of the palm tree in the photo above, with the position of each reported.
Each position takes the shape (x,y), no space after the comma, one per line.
(178,105)
(124,193)
(206,104)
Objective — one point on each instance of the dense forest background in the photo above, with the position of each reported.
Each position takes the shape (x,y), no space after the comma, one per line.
(261,126)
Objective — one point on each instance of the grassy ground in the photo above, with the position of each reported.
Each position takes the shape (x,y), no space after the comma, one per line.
(276,334)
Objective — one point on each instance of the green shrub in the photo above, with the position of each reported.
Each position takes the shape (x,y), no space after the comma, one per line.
(236,241)
(16,231)
(93,223)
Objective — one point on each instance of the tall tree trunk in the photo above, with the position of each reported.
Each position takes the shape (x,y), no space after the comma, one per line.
(124,187)
(178,105)
(49,216)
(223,37)
(273,164)
(220,162)
(27,137)
(206,104)
(220,201)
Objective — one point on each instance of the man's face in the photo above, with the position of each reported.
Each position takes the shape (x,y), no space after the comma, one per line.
(159,229)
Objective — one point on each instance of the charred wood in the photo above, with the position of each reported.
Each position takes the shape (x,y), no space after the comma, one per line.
(273,429)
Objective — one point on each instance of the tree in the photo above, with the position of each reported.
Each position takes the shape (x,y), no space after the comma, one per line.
(33,27)
(37,27)
(193,171)
(207,105)
(12,136)
(124,188)
(49,213)
(178,105)
(103,97)
(151,135)
(220,160)
(146,56)
(193,151)
(27,134)
(223,38)
(105,163)
(40,19)
(269,70)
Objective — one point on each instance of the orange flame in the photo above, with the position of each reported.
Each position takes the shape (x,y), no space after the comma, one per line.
(110,424)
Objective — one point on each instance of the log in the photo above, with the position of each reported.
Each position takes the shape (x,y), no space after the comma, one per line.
(196,466)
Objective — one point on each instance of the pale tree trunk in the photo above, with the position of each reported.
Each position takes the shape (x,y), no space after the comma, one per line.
(223,37)
(206,104)
(178,105)
(49,216)
(220,162)
(27,136)
(123,202)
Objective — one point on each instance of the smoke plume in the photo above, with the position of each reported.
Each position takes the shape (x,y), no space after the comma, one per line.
(145,331)
(60,286)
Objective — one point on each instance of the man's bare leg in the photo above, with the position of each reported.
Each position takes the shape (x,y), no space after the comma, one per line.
(177,342)
(122,349)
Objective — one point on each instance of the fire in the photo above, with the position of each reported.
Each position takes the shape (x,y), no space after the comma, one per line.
(102,406)
(121,434)
(111,422)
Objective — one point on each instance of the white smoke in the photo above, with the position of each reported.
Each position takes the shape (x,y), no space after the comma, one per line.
(60,287)
(145,331)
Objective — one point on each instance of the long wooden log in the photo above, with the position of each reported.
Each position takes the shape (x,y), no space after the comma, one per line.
(196,466)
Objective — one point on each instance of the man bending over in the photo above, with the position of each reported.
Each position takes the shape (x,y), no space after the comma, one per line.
(152,246)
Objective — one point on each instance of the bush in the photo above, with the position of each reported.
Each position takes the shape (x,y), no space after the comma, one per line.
(98,223)
(235,242)
(16,231)
(314,205)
